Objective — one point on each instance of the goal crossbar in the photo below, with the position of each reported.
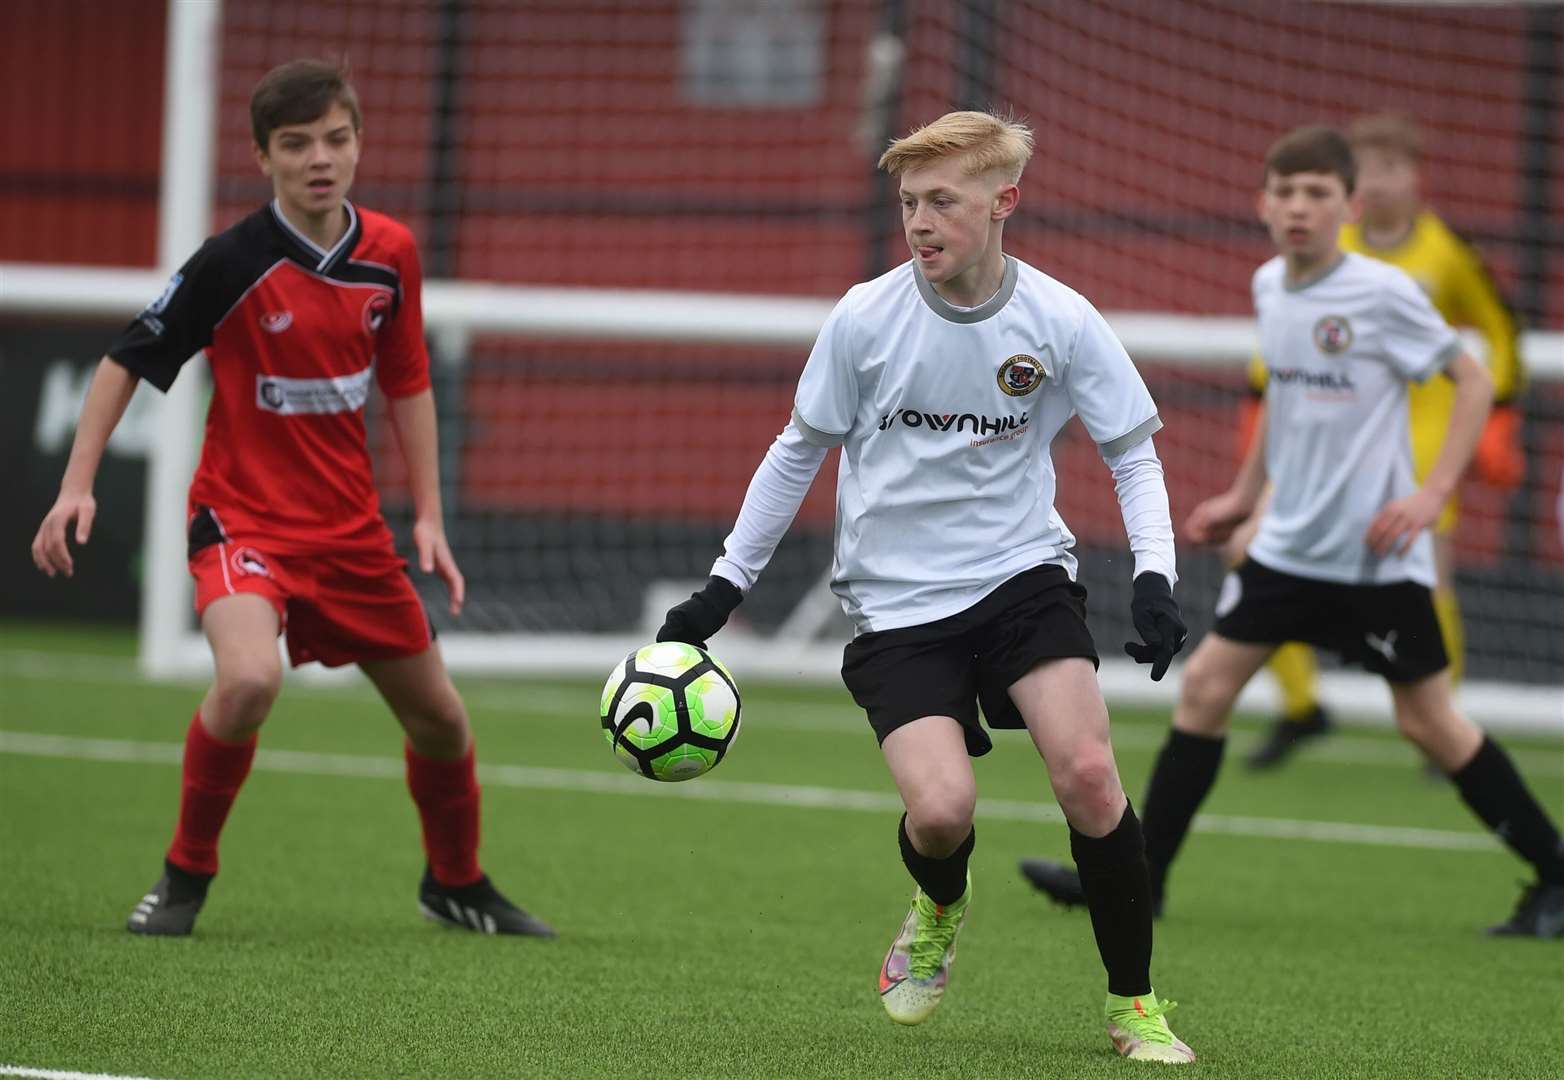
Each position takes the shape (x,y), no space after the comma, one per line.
(654,315)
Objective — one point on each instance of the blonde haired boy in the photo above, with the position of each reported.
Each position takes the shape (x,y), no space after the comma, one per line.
(944,382)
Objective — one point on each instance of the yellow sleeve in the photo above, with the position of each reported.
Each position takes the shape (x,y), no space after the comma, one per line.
(1483,308)
(1257,374)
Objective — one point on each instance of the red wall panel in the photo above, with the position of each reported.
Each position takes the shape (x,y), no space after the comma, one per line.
(81,106)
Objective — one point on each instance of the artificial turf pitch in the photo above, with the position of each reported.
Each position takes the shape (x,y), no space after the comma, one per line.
(732,926)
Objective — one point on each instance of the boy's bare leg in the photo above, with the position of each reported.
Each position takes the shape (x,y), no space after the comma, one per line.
(1065,714)
(219,747)
(928,761)
(442,778)
(1490,785)
(1062,705)
(1187,765)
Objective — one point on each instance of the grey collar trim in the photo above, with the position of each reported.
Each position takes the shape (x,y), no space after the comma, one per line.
(1317,278)
(945,310)
(325,256)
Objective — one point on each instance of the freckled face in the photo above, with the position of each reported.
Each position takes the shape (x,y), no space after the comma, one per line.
(946,217)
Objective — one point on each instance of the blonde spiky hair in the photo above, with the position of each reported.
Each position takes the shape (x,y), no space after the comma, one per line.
(981,140)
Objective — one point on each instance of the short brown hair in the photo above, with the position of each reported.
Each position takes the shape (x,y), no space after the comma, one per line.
(300,92)
(1392,131)
(1315,148)
(982,140)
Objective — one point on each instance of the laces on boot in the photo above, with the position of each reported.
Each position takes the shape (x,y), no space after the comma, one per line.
(1147,1022)
(936,930)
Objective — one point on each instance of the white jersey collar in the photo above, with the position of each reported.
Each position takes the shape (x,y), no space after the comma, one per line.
(951,313)
(1341,258)
(326,257)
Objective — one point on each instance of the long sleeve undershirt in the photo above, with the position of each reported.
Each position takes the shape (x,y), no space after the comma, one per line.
(785,475)
(1143,503)
(774,496)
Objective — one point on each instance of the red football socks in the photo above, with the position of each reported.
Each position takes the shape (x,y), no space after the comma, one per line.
(213,773)
(446,793)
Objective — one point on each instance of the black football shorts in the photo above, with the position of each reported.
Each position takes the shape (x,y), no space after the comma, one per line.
(1389,629)
(950,666)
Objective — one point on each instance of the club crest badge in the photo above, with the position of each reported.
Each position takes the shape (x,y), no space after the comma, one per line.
(151,315)
(1021,374)
(375,311)
(247,560)
(160,305)
(1333,334)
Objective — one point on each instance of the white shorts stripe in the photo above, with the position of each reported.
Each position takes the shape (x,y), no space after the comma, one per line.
(222,556)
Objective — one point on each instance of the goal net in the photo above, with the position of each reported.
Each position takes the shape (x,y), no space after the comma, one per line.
(635,213)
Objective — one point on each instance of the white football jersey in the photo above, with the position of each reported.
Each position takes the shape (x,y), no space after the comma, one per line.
(945,416)
(1339,352)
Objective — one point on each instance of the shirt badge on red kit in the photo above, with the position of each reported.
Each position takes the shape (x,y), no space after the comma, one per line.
(275,322)
(375,309)
(247,560)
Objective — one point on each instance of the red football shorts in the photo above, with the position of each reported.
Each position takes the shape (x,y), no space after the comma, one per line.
(336,609)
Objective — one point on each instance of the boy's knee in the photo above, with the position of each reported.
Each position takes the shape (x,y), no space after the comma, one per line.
(1086,785)
(446,713)
(438,728)
(244,694)
(1414,722)
(1205,696)
(1432,723)
(941,820)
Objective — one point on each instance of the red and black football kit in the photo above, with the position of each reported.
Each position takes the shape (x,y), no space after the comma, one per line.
(283,503)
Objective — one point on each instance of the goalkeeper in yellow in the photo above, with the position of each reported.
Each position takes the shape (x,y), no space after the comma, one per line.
(1396,227)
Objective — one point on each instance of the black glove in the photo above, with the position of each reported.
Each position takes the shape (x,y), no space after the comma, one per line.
(1158,622)
(703,614)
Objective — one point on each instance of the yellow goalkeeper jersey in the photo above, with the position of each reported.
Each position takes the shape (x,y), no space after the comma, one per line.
(1460,287)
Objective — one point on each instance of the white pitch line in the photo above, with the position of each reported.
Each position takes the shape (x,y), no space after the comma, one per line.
(61,1074)
(795,796)
(527,701)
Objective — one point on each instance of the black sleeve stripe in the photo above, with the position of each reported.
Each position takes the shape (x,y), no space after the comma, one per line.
(251,287)
(180,322)
(363,272)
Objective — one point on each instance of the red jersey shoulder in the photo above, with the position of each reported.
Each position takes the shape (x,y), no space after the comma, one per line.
(385,239)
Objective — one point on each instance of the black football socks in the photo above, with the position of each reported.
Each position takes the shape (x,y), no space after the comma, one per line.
(1118,895)
(1185,770)
(1496,793)
(942,880)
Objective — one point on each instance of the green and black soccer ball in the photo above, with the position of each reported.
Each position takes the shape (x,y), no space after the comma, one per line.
(670,711)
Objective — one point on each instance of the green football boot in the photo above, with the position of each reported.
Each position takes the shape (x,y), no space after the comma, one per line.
(1139,1030)
(913,977)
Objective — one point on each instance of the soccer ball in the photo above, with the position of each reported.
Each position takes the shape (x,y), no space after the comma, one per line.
(670,711)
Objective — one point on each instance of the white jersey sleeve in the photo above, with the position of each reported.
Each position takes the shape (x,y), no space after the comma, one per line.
(827,397)
(1105,389)
(775,493)
(1143,502)
(1417,340)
